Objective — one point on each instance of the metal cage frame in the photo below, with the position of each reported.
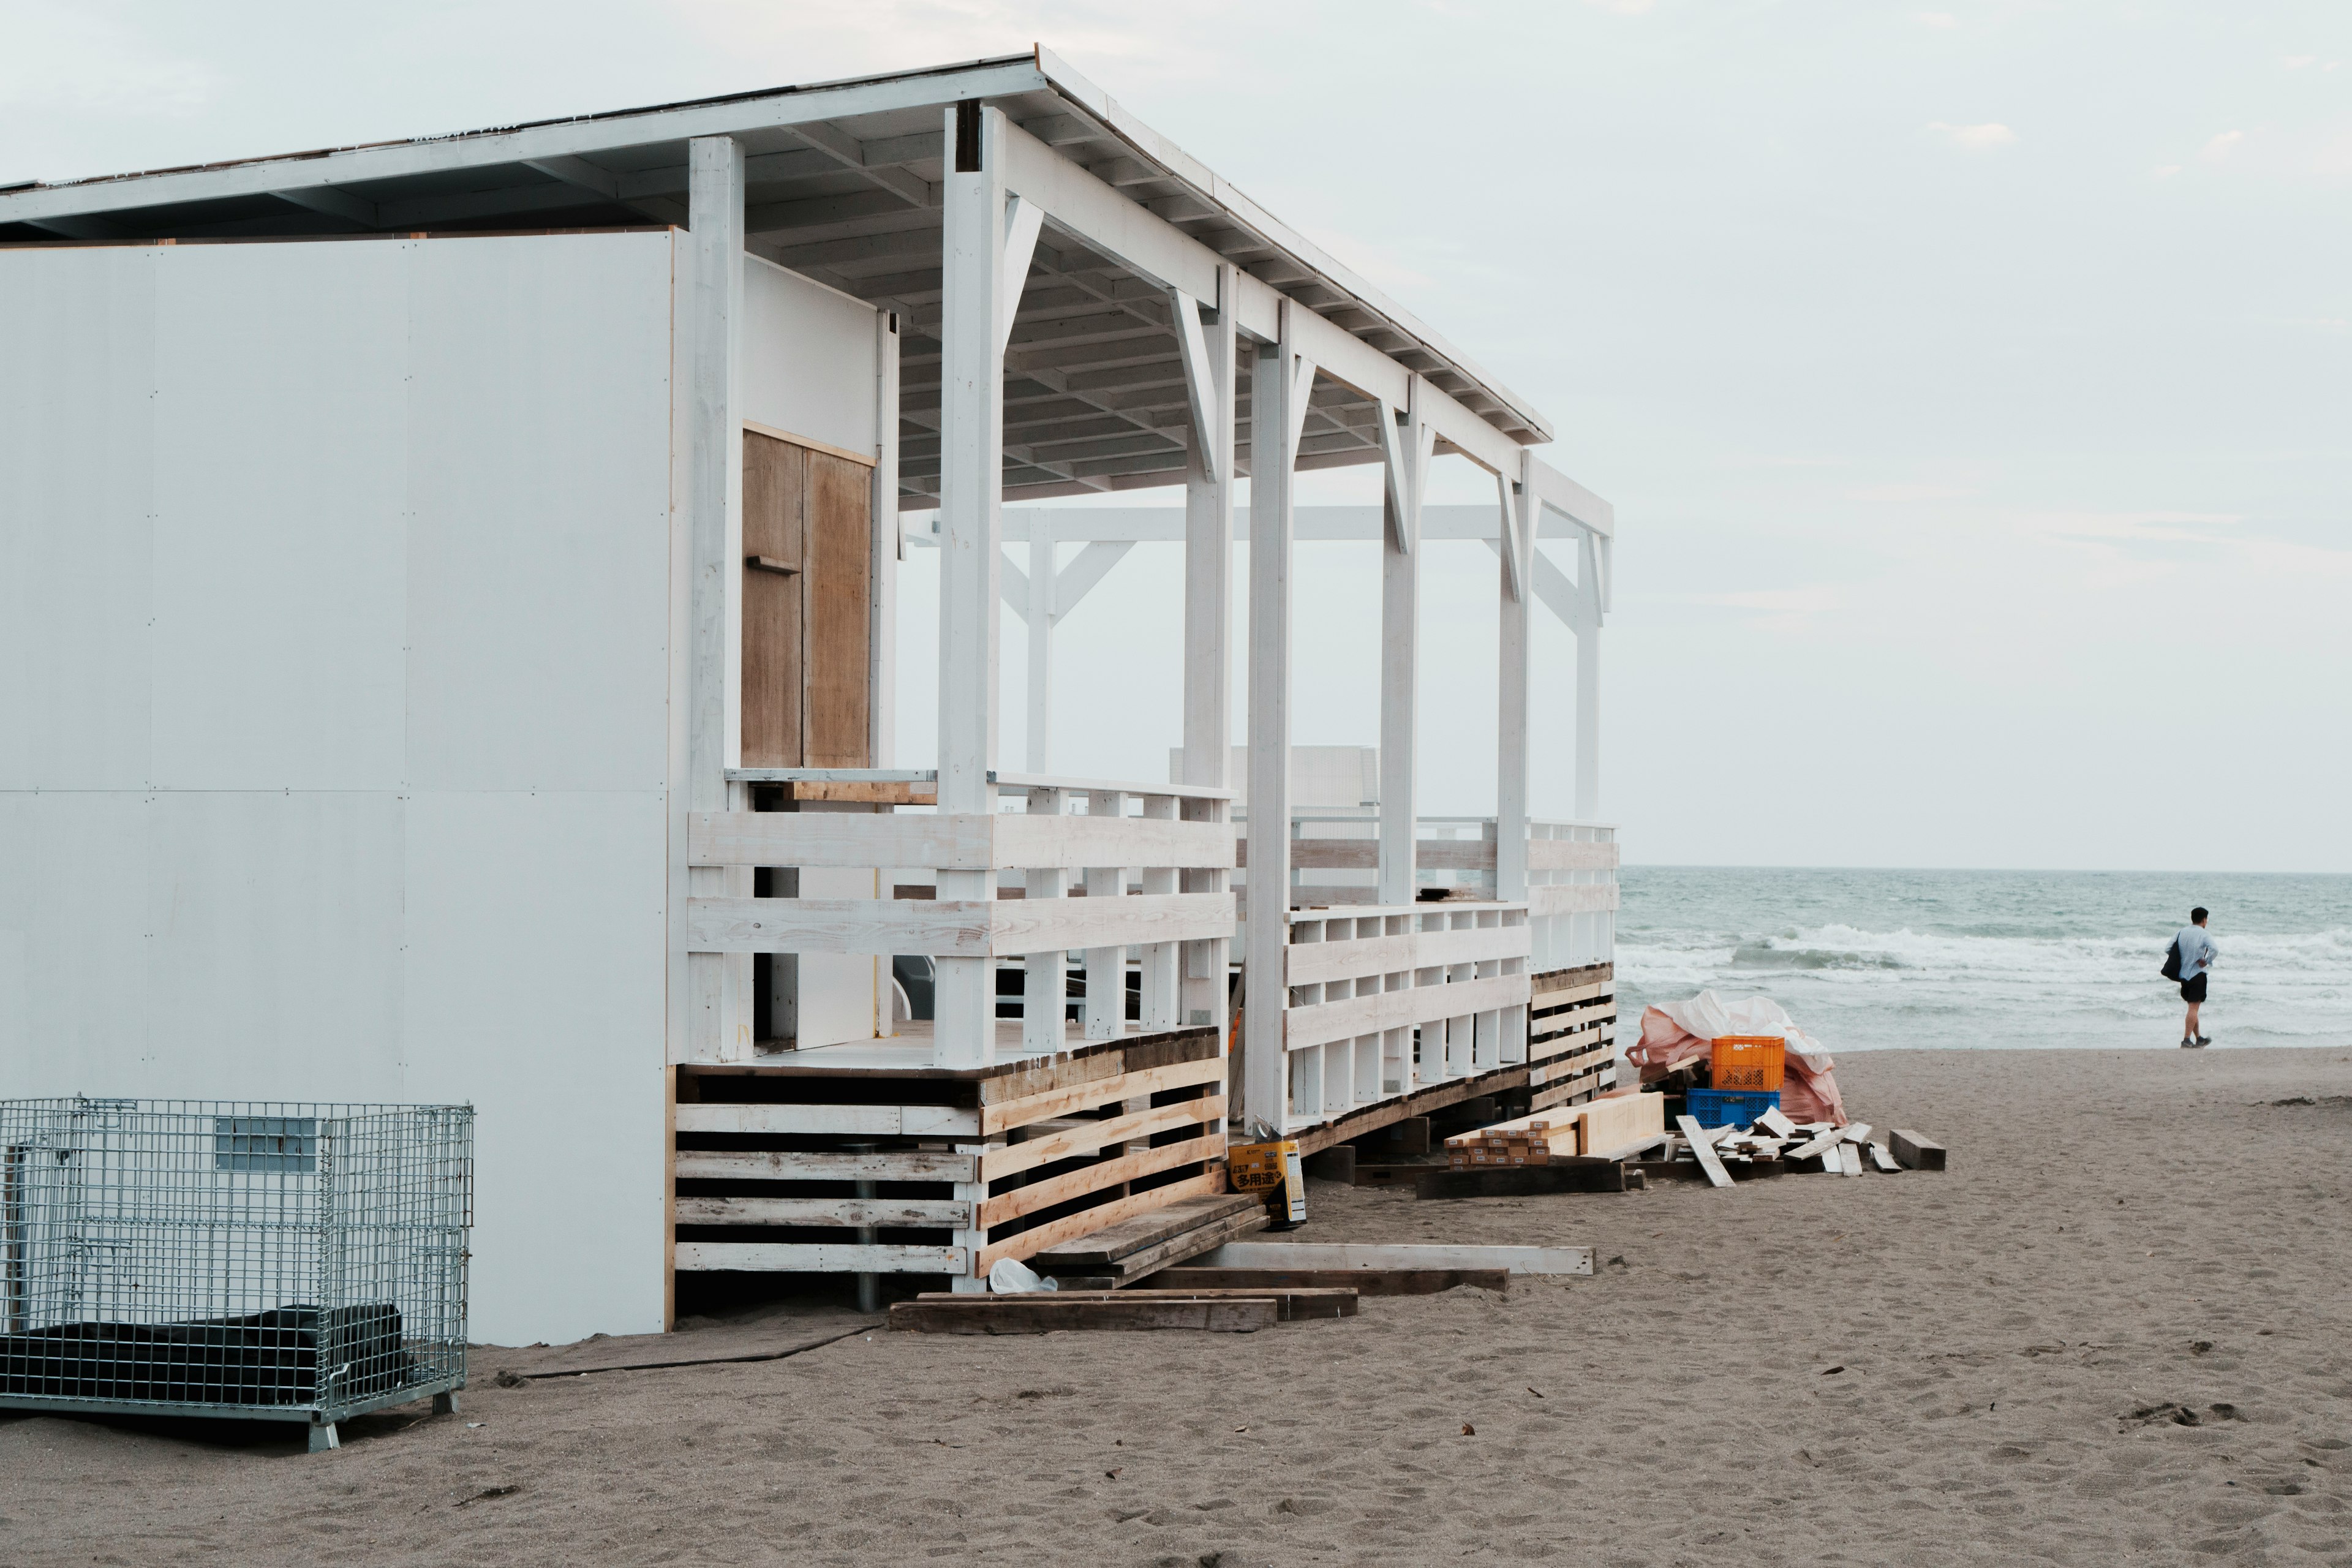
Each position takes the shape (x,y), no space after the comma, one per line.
(238,1259)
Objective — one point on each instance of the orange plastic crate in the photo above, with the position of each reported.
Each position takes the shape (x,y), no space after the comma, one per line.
(1746,1062)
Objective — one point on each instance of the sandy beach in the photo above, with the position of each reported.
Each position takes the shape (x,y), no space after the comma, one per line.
(1996,1365)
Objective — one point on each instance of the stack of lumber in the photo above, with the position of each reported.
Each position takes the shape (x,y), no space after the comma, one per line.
(1773,1143)
(1599,1128)
(1123,1253)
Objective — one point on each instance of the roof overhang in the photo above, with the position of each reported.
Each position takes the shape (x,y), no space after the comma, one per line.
(844,185)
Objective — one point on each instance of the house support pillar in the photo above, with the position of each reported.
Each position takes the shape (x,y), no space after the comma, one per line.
(717,985)
(976,319)
(1279,383)
(1205,329)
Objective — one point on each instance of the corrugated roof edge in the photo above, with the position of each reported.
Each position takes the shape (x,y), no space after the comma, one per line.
(1184,166)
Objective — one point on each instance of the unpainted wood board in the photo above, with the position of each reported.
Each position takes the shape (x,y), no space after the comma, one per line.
(825,1257)
(1569,855)
(1088,1138)
(1010,1113)
(1029,1243)
(1184,1245)
(1919,1153)
(1297,1304)
(1363,1281)
(1094,1178)
(860,1121)
(1577,1261)
(804,1165)
(1881,1159)
(775,504)
(1113,1242)
(1043,1313)
(1849,1158)
(947,1212)
(836,613)
(1702,1144)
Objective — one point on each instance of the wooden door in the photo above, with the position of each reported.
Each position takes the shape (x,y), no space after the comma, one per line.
(807,606)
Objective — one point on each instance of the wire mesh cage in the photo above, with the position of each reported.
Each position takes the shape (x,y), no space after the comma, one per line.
(263,1260)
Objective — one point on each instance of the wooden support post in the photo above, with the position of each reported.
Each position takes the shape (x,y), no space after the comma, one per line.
(973,320)
(1104,1014)
(882,663)
(1406,453)
(1041,643)
(1517,519)
(1159,959)
(1208,615)
(718,986)
(1588,680)
(1044,986)
(1279,381)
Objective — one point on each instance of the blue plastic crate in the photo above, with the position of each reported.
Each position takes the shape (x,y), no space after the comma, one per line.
(1739,1107)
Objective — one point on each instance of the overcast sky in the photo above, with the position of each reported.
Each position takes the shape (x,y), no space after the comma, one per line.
(1974,384)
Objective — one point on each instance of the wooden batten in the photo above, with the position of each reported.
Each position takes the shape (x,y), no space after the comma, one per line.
(967,1166)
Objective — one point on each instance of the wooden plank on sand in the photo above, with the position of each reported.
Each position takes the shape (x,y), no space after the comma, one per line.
(1296,1304)
(1114,1242)
(1881,1159)
(1703,1145)
(1919,1153)
(1046,1313)
(1363,1281)
(1399,1255)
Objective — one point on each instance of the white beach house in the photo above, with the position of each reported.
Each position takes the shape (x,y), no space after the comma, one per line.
(446,622)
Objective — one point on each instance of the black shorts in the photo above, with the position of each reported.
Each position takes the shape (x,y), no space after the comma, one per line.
(2193,990)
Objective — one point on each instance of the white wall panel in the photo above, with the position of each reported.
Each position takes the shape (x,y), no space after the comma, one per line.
(539,525)
(73,875)
(376,807)
(809,362)
(533,924)
(77,410)
(281,466)
(274,945)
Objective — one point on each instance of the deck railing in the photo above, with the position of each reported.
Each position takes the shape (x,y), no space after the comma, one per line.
(1073,850)
(1363,982)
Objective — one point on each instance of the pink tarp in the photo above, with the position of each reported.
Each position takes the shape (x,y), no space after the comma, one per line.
(1674,1033)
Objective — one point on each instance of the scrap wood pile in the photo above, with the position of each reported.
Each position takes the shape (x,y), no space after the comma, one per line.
(1772,1143)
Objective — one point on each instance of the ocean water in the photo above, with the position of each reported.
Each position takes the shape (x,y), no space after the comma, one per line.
(1871,959)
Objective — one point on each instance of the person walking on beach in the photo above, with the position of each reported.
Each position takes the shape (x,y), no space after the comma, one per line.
(2198,951)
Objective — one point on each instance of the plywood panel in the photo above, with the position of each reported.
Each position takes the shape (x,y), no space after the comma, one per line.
(809,361)
(775,529)
(533,988)
(77,415)
(538,566)
(273,944)
(282,457)
(839,604)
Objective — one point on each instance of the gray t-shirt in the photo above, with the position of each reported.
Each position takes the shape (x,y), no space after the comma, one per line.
(2198,951)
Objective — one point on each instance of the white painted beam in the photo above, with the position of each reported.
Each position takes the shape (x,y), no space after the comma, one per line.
(1089,568)
(1208,530)
(1275,384)
(1200,384)
(719,1021)
(1023,219)
(1039,614)
(1400,653)
(971,432)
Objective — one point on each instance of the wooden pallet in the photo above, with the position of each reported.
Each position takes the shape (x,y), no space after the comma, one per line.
(957,1168)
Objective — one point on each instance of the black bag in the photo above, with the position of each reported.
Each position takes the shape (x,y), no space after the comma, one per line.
(2171,970)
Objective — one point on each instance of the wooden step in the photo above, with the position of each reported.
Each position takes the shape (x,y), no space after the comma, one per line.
(1175,1249)
(1129,1236)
